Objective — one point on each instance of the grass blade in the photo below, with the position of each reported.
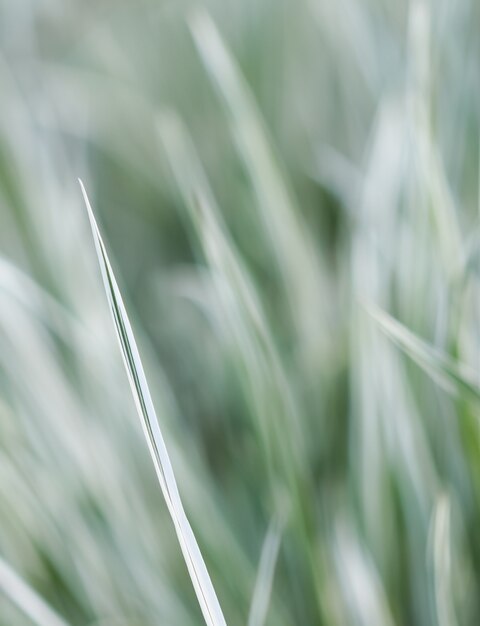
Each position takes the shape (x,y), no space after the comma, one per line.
(441,561)
(26,599)
(359,581)
(206,595)
(266,572)
(451,375)
(273,403)
(294,250)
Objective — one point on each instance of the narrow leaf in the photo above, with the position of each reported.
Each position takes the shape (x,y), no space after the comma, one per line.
(453,376)
(207,598)
(266,573)
(26,599)
(289,238)
(440,556)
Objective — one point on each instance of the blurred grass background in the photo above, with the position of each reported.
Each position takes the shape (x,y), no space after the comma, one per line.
(264,174)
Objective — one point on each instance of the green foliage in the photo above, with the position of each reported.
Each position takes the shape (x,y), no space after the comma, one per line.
(289,192)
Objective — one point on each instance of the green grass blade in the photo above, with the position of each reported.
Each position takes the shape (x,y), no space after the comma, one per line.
(266,572)
(453,376)
(294,250)
(206,595)
(271,396)
(26,599)
(441,557)
(359,582)
(272,399)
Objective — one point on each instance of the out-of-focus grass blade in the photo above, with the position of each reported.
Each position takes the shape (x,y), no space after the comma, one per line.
(430,165)
(206,595)
(441,562)
(26,599)
(33,297)
(273,402)
(291,242)
(453,376)
(359,581)
(266,572)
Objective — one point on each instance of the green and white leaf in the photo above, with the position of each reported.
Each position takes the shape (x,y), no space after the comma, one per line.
(203,586)
(26,599)
(455,377)
(266,572)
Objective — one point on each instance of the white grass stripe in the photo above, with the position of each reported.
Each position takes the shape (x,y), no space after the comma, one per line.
(26,599)
(453,376)
(442,567)
(206,595)
(266,573)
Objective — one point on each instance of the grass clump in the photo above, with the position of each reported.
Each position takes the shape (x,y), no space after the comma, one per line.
(290,193)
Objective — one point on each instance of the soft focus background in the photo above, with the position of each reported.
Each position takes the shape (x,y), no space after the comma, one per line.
(278,183)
